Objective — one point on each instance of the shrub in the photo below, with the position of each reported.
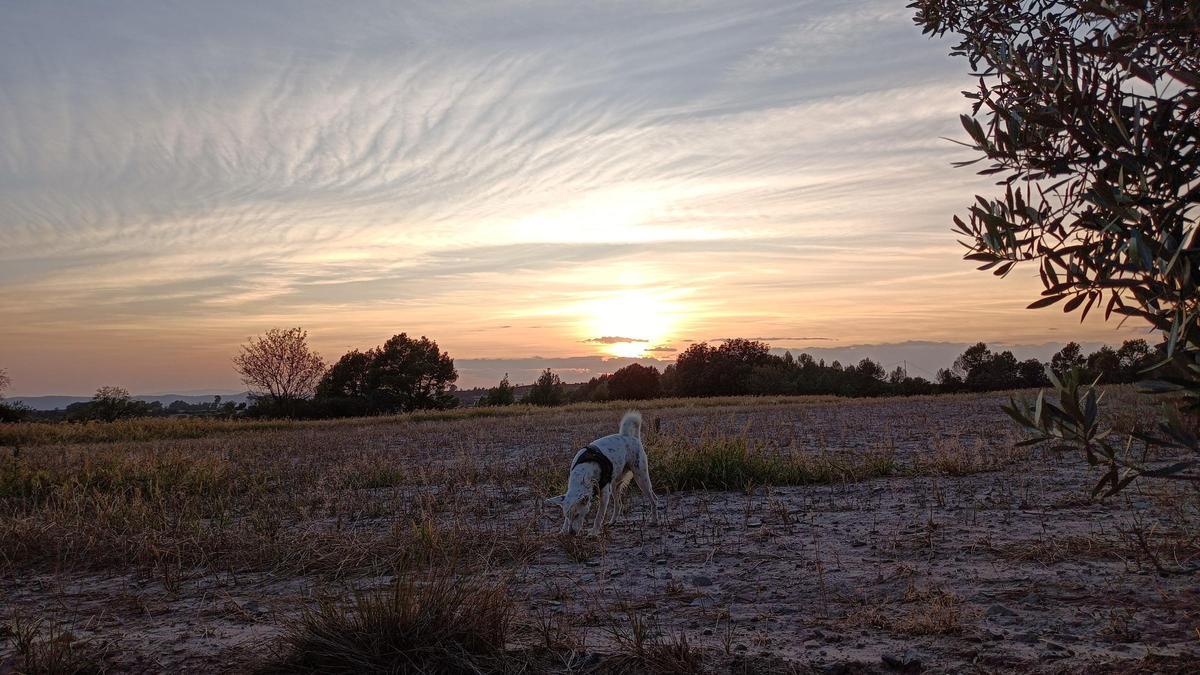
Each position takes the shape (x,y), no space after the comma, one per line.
(437,623)
(13,411)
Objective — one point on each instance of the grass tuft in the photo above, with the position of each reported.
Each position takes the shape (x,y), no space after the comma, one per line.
(436,623)
(645,648)
(934,612)
(50,650)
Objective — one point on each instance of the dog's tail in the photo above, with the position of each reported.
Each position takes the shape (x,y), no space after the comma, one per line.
(631,424)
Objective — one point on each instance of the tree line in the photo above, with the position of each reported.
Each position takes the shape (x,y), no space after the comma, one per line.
(742,367)
(287,378)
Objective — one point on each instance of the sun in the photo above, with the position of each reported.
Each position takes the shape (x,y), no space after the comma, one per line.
(629,322)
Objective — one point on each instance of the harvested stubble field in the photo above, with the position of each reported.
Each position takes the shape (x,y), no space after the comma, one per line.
(800,535)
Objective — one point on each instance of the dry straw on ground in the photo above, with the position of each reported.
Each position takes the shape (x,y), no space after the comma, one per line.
(795,535)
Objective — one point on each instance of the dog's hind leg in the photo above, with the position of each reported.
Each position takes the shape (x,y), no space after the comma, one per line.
(619,496)
(602,509)
(641,474)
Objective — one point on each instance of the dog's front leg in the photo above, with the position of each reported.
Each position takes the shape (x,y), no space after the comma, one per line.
(602,508)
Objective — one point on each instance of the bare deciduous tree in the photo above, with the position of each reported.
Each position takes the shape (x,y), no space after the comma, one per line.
(280,365)
(4,381)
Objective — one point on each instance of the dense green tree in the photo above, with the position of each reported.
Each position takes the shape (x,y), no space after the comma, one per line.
(724,370)
(871,369)
(1105,364)
(972,359)
(406,374)
(634,382)
(1032,373)
(347,377)
(1135,356)
(546,391)
(501,394)
(1068,358)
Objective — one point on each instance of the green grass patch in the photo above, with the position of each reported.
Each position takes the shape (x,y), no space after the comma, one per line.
(733,463)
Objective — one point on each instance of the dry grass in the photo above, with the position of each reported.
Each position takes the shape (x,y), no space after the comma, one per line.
(1051,550)
(1166,551)
(169,428)
(45,649)
(431,623)
(335,499)
(645,648)
(270,514)
(952,457)
(930,612)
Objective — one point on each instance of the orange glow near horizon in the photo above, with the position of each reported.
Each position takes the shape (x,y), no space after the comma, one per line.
(634,319)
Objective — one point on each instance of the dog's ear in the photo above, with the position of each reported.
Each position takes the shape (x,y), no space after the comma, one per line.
(556,501)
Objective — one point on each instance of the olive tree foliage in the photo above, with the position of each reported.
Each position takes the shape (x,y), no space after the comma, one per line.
(1088,113)
(280,364)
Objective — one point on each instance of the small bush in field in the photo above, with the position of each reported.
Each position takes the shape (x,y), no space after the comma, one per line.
(439,623)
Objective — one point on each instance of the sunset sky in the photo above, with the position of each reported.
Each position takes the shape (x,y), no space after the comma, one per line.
(563,180)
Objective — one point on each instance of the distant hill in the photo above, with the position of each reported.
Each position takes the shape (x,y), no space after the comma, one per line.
(61,402)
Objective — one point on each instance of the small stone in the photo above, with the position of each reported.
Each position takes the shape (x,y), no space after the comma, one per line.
(1056,646)
(907,662)
(701,581)
(588,577)
(615,573)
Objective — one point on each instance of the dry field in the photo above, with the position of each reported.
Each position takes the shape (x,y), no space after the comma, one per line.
(818,534)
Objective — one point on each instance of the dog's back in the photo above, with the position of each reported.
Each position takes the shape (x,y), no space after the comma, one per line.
(624,445)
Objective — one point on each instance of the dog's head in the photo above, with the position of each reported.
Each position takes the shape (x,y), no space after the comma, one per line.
(578,499)
(574,508)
